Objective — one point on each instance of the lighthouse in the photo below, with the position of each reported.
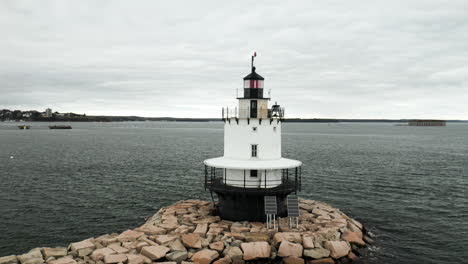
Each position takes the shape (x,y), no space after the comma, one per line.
(252,167)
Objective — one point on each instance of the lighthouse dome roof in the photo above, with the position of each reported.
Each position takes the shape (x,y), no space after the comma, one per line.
(253,76)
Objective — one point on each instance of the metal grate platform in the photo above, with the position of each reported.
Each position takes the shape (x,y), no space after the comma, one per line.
(270,205)
(292,203)
(271,209)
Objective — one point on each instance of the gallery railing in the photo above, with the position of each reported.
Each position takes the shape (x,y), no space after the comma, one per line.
(234,112)
(216,179)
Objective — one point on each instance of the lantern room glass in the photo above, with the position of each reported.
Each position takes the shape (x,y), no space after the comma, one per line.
(253,83)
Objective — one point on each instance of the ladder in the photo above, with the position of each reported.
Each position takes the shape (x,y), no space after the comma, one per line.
(271,211)
(293,210)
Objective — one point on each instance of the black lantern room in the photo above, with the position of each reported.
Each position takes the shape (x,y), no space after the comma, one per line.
(253,84)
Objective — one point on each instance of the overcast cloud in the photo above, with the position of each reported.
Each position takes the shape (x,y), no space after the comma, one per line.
(341,59)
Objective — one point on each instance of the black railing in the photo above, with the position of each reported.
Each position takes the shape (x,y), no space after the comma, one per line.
(252,93)
(234,112)
(216,179)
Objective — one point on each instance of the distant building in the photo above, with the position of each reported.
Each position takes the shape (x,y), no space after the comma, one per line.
(48,112)
(426,123)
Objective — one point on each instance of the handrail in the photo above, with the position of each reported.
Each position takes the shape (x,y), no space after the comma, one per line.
(290,181)
(234,112)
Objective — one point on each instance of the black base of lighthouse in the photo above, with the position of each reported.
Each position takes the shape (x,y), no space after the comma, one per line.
(247,207)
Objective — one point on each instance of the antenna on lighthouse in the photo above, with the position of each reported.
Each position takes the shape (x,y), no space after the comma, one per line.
(253,56)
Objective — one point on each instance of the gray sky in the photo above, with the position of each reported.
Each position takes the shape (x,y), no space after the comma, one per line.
(342,59)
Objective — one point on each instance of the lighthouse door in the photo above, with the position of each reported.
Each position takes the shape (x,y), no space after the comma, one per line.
(253,109)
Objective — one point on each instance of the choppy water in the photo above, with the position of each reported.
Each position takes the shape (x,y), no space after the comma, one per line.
(408,185)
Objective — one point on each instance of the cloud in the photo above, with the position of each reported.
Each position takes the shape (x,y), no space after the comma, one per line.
(344,59)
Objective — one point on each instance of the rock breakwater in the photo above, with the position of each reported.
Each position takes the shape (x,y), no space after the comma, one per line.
(190,232)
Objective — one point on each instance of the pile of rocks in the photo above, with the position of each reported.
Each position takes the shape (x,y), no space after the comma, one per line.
(189,232)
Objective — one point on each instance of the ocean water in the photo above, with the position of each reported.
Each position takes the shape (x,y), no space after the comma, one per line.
(407,185)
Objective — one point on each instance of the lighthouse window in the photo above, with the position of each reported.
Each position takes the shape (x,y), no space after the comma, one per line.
(254,129)
(254,151)
(254,173)
(274,129)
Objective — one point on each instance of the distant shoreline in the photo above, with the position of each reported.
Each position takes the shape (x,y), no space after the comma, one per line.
(177,119)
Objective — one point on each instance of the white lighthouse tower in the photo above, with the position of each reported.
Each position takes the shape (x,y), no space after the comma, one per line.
(252,166)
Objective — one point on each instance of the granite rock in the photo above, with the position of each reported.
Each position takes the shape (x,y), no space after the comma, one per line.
(54,252)
(205,256)
(9,260)
(192,240)
(154,252)
(288,249)
(256,250)
(337,249)
(32,257)
(317,253)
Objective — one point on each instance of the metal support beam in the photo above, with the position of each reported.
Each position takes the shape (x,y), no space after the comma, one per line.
(206,176)
(244,179)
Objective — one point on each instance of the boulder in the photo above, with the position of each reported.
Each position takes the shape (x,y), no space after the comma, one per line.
(307,207)
(293,260)
(225,260)
(130,245)
(99,254)
(184,229)
(308,242)
(235,253)
(169,226)
(129,235)
(201,229)
(238,236)
(256,250)
(356,223)
(215,231)
(337,249)
(319,212)
(355,229)
(161,239)
(353,237)
(106,239)
(205,256)
(321,261)
(83,248)
(154,252)
(148,241)
(177,256)
(118,249)
(317,253)
(192,240)
(236,243)
(142,244)
(218,246)
(64,260)
(329,233)
(239,229)
(255,237)
(288,236)
(8,260)
(135,259)
(288,249)
(208,220)
(54,252)
(32,257)
(176,245)
(152,230)
(115,258)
